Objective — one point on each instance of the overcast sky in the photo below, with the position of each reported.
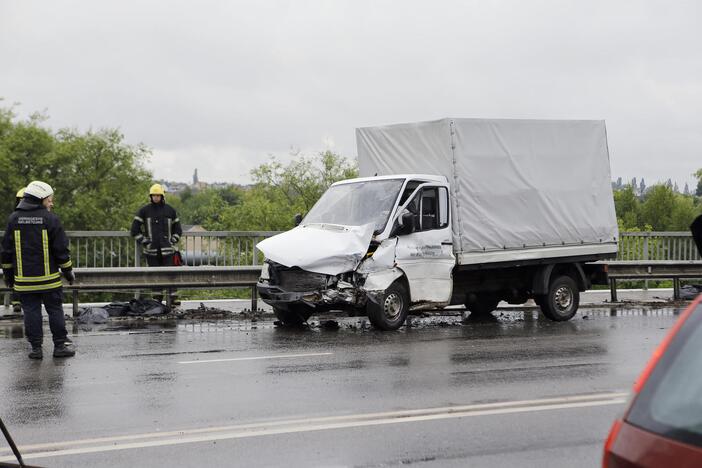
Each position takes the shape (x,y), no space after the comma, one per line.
(222,85)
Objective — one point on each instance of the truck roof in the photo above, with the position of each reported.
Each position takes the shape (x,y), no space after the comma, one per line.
(425,177)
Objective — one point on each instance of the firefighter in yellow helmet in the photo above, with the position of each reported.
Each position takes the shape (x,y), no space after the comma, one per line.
(157,227)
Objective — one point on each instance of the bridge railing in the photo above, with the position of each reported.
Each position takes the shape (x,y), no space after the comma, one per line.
(104,249)
(663,246)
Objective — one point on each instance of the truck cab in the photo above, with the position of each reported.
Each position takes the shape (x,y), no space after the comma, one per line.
(372,246)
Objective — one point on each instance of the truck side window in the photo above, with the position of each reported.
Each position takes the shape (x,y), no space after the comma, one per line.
(429,208)
(443,208)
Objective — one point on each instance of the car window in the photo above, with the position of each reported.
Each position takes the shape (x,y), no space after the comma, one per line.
(670,403)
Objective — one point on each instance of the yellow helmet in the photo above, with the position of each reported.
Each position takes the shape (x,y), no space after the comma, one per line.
(156,189)
(20,192)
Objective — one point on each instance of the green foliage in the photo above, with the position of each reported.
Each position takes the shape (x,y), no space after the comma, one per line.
(282,191)
(206,207)
(660,209)
(99,181)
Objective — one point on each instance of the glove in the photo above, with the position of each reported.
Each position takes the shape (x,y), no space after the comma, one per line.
(69,275)
(174,240)
(145,241)
(9,277)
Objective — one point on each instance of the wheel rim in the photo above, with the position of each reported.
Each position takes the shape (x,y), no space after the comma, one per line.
(563,299)
(392,307)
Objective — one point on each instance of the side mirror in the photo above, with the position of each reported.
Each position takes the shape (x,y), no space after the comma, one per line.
(404,224)
(298,219)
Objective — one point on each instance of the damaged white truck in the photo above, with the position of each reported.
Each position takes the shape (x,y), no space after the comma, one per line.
(453,211)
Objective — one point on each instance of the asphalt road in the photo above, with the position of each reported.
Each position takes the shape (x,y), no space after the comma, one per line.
(518,390)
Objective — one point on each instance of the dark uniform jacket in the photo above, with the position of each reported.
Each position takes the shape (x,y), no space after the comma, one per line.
(158,224)
(34,248)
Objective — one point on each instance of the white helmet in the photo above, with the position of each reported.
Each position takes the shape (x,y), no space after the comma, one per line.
(39,189)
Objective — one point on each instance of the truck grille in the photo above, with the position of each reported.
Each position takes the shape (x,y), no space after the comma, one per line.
(296,280)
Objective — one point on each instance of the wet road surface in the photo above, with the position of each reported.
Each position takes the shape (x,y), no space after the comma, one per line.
(517,390)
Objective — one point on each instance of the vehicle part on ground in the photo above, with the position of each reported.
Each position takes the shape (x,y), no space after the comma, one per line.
(387,310)
(562,300)
(483,304)
(294,315)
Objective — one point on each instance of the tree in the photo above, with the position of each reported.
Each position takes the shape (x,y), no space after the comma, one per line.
(698,176)
(627,207)
(282,191)
(666,210)
(99,180)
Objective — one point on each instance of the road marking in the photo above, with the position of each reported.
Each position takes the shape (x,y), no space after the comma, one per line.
(188,436)
(256,358)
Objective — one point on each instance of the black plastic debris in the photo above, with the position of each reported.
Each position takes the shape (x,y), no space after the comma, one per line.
(118,309)
(146,308)
(92,315)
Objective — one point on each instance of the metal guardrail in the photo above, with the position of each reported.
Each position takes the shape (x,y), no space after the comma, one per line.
(652,269)
(162,278)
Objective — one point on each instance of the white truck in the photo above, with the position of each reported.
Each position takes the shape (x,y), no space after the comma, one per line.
(453,211)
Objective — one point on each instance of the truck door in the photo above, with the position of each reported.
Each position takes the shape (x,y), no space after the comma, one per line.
(426,254)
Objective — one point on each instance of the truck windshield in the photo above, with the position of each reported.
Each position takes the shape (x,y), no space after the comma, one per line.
(357,204)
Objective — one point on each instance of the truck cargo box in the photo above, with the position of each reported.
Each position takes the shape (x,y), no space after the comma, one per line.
(521,189)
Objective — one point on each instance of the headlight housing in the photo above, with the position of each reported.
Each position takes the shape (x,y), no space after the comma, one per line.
(265,272)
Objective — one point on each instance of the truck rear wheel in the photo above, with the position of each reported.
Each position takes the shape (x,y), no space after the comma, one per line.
(294,315)
(389,310)
(562,300)
(483,305)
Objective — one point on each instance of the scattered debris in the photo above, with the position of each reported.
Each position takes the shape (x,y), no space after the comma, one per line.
(92,315)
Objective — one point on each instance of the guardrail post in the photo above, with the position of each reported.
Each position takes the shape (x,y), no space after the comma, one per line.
(613,289)
(255,253)
(6,300)
(676,289)
(74,295)
(645,255)
(137,254)
(254,299)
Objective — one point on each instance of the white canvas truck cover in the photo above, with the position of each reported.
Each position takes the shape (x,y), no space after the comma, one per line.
(521,189)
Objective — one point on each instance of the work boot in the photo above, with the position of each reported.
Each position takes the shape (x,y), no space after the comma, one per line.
(64,349)
(36,353)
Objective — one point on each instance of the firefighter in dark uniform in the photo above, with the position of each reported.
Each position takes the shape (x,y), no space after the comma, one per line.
(157,227)
(33,249)
(15,299)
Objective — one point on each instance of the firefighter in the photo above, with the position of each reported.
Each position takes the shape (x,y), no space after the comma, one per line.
(157,227)
(34,248)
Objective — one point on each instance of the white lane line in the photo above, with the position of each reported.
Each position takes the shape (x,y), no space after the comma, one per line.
(187,436)
(256,358)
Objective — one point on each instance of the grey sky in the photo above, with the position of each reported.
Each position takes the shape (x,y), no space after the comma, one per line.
(221,85)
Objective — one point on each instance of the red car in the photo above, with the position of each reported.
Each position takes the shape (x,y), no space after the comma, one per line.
(662,426)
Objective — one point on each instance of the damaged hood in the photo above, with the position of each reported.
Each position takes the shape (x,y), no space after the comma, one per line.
(330,249)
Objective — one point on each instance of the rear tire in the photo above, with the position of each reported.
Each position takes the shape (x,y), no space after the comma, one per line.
(294,315)
(562,300)
(390,312)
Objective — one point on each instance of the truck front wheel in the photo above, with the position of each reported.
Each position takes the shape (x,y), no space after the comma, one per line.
(562,300)
(294,315)
(388,310)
